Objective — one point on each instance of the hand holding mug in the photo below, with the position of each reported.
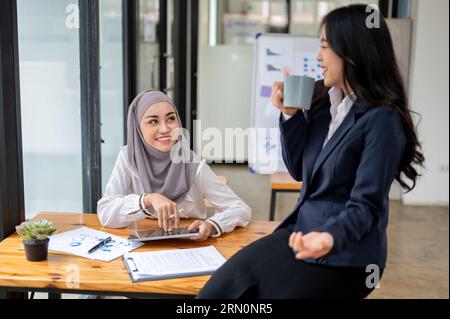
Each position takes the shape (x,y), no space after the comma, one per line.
(294,93)
(278,97)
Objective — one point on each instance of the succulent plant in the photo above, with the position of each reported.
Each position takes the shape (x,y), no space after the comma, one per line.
(35,230)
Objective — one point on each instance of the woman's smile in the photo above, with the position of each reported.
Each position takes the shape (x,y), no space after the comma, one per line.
(163,139)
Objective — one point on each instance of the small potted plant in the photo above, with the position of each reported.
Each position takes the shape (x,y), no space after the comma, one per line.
(35,238)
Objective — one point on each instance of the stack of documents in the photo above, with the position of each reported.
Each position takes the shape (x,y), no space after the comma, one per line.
(79,241)
(166,264)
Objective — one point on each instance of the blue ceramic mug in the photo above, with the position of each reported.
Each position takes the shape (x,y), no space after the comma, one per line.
(298,91)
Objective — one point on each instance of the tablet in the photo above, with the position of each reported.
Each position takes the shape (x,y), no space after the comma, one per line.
(160,234)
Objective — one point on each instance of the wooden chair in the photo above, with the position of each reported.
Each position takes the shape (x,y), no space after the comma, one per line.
(281,183)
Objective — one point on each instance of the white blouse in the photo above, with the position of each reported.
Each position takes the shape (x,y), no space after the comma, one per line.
(125,188)
(339,109)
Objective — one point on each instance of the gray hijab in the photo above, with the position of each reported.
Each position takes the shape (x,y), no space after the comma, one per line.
(160,172)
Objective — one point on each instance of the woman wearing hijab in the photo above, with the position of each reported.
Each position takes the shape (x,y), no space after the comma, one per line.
(157,176)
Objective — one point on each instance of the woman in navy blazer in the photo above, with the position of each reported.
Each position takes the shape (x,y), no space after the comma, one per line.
(348,149)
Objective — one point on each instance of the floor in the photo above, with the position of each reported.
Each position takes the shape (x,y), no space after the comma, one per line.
(418,261)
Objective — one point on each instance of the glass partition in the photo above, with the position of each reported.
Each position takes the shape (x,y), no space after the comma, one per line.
(50,105)
(111,84)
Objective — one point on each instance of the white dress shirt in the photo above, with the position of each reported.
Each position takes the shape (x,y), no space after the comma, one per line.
(125,188)
(339,109)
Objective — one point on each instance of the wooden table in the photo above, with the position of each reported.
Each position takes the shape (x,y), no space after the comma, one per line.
(60,272)
(284,183)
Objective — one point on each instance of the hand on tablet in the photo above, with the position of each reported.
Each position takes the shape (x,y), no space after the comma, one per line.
(166,210)
(205,230)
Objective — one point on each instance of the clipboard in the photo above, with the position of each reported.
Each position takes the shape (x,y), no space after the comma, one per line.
(209,255)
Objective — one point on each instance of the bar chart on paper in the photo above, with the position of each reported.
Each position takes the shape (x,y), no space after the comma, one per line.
(275,54)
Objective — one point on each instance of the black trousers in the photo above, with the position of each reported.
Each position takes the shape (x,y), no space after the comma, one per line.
(267,269)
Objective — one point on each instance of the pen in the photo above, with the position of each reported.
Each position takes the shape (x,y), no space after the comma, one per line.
(104,241)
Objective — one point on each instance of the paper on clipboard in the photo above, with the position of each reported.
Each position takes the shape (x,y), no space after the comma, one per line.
(173,263)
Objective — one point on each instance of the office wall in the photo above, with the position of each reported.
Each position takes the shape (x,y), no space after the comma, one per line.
(224,87)
(225,96)
(429,96)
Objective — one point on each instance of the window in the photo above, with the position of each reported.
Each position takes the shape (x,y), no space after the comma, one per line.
(50,105)
(306,15)
(239,21)
(111,84)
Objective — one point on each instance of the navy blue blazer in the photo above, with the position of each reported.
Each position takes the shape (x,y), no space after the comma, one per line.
(345,184)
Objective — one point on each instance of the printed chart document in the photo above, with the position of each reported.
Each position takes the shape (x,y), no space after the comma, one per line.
(79,241)
(176,263)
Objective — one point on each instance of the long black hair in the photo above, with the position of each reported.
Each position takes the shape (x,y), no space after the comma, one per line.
(371,70)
